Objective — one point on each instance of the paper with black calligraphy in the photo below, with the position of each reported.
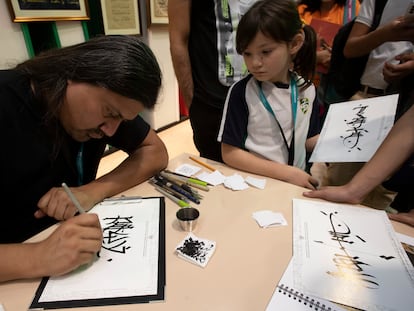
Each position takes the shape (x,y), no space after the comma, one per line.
(350,255)
(127,264)
(354,130)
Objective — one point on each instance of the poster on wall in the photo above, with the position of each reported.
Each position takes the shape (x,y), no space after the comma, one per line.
(158,10)
(121,17)
(46,10)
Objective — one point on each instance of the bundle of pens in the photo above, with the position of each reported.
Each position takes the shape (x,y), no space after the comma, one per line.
(180,189)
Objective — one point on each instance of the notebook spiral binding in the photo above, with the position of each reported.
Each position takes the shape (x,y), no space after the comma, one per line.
(312,303)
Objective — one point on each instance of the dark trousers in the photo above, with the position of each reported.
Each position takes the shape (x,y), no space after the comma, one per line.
(205,121)
(403,182)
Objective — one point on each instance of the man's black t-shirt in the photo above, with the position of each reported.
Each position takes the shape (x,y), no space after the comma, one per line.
(35,157)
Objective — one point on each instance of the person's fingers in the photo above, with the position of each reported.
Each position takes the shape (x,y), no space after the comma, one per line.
(69,211)
(39,214)
(405,57)
(406,218)
(310,186)
(312,194)
(87,220)
(314,182)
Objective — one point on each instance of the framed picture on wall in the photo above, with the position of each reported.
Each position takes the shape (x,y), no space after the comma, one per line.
(158,11)
(46,10)
(121,17)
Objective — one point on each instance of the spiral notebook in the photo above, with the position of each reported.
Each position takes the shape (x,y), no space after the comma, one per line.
(285,297)
(339,257)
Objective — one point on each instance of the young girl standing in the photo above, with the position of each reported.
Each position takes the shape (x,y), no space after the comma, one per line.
(270,119)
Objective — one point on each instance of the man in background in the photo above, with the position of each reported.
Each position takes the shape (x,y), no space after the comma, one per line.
(202,44)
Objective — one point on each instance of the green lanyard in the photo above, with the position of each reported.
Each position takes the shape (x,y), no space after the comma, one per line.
(294,102)
(79,165)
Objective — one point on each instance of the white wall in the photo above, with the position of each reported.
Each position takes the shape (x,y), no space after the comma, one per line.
(13,50)
(166,111)
(70,32)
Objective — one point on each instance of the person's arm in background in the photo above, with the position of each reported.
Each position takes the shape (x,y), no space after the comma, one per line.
(323,57)
(361,41)
(74,243)
(246,161)
(393,152)
(148,159)
(179,32)
(311,143)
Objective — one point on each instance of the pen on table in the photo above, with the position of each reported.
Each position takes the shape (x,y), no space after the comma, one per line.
(181,203)
(184,181)
(172,192)
(203,163)
(73,199)
(182,184)
(188,188)
(199,184)
(175,187)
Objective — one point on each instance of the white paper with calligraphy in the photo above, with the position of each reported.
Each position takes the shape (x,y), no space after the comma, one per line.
(127,264)
(354,130)
(350,255)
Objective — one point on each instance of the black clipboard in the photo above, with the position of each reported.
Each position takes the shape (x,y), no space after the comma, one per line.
(159,296)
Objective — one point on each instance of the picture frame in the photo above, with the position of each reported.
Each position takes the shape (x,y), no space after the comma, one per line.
(158,12)
(44,10)
(121,17)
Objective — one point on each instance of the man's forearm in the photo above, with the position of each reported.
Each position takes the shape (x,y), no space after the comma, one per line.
(19,262)
(138,167)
